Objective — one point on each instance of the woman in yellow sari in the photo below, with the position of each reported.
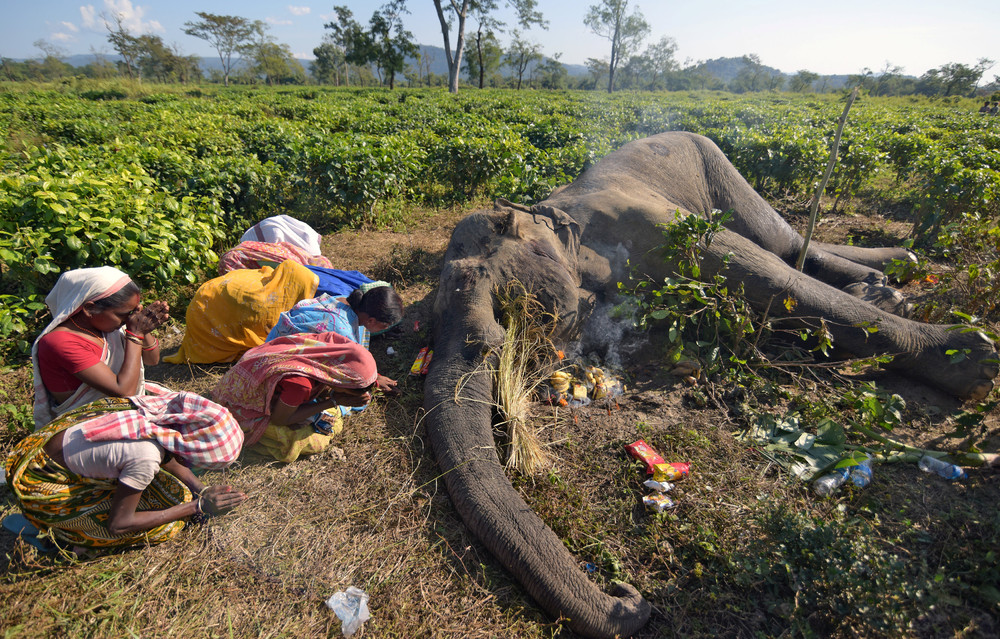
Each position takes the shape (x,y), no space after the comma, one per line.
(232,313)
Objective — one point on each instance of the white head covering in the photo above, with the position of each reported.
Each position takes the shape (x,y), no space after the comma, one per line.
(71,291)
(284,228)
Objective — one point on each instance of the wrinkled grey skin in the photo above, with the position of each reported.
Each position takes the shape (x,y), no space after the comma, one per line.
(570,249)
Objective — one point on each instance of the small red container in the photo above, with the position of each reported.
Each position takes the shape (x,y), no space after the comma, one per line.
(427,362)
(419,362)
(641,450)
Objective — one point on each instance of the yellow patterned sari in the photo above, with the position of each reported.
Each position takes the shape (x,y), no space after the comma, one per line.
(73,509)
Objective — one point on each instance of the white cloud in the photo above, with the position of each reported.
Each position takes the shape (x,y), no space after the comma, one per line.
(299,11)
(132,16)
(278,21)
(70,26)
(89,16)
(61,37)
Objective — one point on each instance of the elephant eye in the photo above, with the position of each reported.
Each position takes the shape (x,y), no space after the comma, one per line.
(544,250)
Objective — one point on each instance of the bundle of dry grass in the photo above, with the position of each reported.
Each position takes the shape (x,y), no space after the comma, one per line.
(521,364)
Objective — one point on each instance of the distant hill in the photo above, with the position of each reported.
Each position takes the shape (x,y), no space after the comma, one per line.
(726,69)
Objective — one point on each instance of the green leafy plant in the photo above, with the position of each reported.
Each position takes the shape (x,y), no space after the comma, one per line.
(703,318)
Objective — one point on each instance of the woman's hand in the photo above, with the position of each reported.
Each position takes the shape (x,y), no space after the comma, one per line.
(219,500)
(349,397)
(147,318)
(386,385)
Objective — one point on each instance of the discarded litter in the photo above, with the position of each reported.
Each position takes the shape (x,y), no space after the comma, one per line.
(390,351)
(324,422)
(642,451)
(578,385)
(351,607)
(830,482)
(671,471)
(658,502)
(861,475)
(931,464)
(419,361)
(658,486)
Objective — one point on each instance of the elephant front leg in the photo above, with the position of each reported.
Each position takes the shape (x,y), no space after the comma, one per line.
(873,257)
(954,359)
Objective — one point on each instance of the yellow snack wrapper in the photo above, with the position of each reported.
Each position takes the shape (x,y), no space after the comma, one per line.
(658,502)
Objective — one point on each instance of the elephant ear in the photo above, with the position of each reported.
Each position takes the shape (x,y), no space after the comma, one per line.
(566,228)
(502,203)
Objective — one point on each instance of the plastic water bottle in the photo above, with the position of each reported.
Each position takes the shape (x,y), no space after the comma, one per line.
(930,464)
(830,482)
(861,475)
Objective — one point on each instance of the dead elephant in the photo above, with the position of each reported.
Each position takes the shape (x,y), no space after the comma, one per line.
(569,249)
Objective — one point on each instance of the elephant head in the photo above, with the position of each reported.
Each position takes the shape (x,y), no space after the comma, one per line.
(488,249)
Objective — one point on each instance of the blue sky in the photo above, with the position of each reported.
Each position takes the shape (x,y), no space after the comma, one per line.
(828,37)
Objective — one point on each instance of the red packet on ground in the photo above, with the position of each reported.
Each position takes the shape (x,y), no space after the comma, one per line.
(417,363)
(427,362)
(641,450)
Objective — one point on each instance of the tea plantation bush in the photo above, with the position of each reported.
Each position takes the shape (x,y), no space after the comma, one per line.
(158,183)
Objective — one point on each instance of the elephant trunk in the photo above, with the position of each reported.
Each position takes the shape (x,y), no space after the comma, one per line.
(458,400)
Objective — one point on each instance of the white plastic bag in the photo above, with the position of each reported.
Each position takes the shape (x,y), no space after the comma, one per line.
(351,607)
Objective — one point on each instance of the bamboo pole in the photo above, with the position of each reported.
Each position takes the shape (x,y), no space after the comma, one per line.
(814,208)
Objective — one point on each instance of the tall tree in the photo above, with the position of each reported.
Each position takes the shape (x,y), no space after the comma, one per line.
(888,79)
(597,68)
(122,41)
(346,31)
(553,73)
(457,11)
(391,42)
(483,56)
(610,20)
(227,34)
(660,61)
(426,61)
(272,62)
(953,78)
(329,57)
(802,81)
(520,55)
(753,76)
(52,65)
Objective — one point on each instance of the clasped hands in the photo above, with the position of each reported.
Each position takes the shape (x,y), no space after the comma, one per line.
(147,318)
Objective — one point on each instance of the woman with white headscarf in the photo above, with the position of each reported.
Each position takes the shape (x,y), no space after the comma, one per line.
(97,343)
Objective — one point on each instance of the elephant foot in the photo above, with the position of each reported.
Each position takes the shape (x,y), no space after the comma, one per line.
(964,363)
(885,298)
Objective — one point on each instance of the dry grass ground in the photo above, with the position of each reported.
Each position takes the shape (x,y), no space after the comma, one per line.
(748,552)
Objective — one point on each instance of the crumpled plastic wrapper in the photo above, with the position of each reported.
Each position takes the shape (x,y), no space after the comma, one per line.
(351,607)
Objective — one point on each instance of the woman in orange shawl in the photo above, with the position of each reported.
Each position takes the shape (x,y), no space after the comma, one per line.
(232,313)
(276,389)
